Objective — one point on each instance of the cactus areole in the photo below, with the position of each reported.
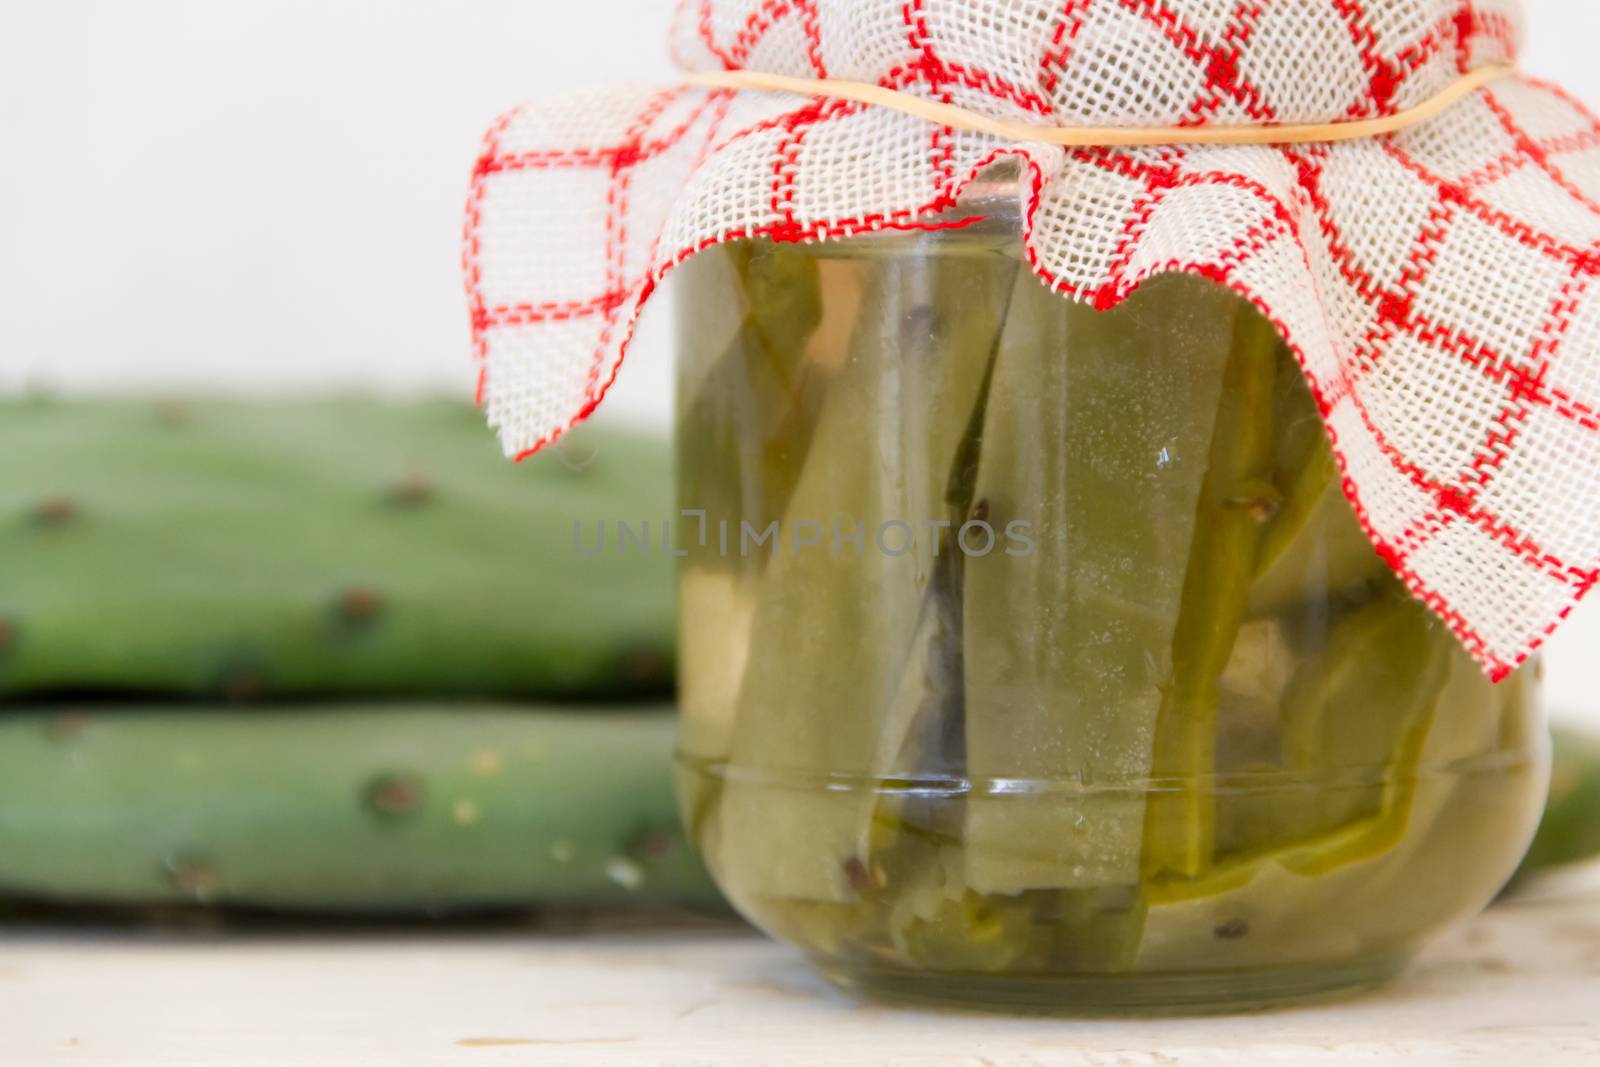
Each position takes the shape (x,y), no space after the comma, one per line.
(1129,456)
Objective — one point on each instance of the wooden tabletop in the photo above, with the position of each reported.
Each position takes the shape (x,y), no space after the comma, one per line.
(1520,985)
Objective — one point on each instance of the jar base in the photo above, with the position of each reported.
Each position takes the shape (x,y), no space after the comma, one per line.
(1121,995)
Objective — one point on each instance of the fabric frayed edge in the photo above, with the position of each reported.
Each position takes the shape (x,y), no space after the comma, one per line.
(923,218)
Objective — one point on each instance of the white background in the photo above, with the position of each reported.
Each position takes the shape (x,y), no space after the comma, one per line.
(265,194)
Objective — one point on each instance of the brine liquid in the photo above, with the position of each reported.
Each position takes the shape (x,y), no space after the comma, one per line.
(1024,638)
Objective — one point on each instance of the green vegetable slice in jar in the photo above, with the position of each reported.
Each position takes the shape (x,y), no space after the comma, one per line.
(763,376)
(858,611)
(1236,501)
(1097,435)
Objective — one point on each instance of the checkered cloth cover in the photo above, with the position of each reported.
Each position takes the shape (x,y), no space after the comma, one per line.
(1439,285)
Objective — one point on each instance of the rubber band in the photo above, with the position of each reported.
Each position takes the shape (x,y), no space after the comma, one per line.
(1103,136)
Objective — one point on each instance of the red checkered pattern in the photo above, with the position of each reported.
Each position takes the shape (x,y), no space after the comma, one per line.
(1439,286)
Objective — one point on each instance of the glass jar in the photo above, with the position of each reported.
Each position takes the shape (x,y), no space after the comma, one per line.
(1032,654)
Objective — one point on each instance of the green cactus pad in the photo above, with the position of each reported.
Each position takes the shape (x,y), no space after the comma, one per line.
(403,809)
(323,548)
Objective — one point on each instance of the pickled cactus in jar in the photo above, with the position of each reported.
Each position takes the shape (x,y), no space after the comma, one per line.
(1036,644)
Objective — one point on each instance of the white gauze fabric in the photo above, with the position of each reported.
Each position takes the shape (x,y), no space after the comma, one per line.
(1438,285)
